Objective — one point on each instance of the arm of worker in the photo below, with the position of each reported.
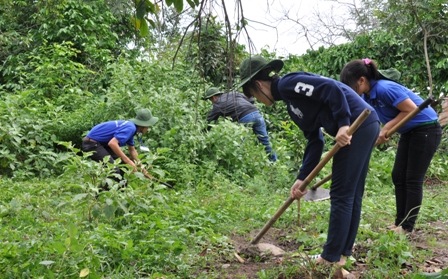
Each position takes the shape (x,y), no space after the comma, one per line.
(114,145)
(214,114)
(405,107)
(342,138)
(313,152)
(134,156)
(133,153)
(295,192)
(212,117)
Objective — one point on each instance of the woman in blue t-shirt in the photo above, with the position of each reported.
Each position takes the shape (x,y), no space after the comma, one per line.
(314,101)
(419,138)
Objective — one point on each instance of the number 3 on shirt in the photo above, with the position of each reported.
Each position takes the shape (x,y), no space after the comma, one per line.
(304,88)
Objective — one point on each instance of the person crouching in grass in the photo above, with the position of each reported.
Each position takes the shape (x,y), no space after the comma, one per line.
(105,139)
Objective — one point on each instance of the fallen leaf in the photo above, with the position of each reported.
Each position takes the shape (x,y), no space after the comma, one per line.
(84,272)
(203,253)
(46,262)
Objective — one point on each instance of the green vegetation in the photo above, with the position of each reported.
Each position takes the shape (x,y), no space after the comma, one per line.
(66,67)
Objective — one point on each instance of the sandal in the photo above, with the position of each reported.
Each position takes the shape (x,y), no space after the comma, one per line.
(391,227)
(400,230)
(341,262)
(314,257)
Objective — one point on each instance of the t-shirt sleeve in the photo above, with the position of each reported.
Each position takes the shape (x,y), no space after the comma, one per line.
(125,135)
(213,114)
(313,152)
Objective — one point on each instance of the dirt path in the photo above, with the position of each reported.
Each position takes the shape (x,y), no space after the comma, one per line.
(253,265)
(257,262)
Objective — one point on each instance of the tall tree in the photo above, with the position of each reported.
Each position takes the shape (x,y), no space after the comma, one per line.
(420,23)
(212,52)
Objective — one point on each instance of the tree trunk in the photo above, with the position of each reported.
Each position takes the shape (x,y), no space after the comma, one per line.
(443,117)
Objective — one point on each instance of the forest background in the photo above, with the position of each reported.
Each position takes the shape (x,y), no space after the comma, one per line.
(67,65)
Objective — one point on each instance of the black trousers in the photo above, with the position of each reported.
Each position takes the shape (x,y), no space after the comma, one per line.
(101,151)
(414,154)
(350,166)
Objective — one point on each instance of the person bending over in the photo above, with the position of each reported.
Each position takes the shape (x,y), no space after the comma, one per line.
(419,138)
(241,110)
(314,101)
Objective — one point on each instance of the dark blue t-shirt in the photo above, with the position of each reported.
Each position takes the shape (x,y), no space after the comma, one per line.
(122,130)
(314,101)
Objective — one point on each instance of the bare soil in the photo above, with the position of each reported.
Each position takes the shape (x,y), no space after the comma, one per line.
(256,262)
(434,238)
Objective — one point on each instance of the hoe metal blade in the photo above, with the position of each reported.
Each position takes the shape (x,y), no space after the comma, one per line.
(144,148)
(319,194)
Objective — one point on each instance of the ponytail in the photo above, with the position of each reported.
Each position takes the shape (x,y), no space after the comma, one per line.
(356,69)
(372,69)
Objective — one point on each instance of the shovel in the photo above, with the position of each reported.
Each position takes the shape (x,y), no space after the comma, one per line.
(310,177)
(316,194)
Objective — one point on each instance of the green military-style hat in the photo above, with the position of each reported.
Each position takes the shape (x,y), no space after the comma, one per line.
(392,74)
(251,66)
(212,91)
(144,118)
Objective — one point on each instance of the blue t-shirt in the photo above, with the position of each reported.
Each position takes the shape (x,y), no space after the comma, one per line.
(385,95)
(122,130)
(314,101)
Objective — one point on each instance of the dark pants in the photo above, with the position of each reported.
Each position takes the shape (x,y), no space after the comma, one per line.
(350,166)
(415,151)
(101,151)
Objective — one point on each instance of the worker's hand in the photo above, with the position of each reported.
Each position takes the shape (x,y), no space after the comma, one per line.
(382,137)
(342,138)
(134,166)
(295,192)
(146,174)
(114,145)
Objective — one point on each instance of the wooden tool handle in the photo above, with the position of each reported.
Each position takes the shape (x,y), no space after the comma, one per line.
(355,125)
